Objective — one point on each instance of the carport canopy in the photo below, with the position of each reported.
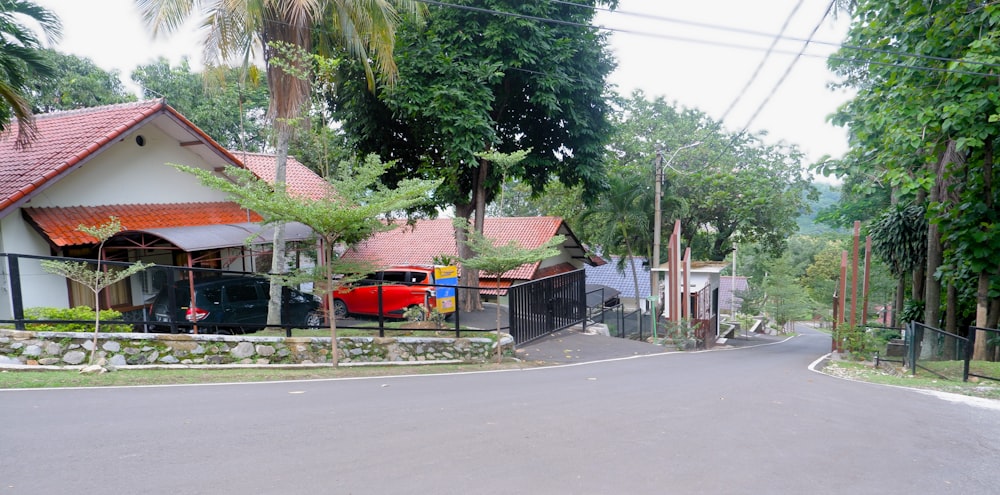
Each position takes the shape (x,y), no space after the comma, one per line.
(205,237)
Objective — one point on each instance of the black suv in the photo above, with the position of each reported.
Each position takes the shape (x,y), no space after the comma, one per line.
(230,304)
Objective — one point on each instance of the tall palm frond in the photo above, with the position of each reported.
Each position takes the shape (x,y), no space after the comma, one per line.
(21,60)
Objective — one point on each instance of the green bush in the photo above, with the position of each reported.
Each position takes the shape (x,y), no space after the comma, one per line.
(859,343)
(82,313)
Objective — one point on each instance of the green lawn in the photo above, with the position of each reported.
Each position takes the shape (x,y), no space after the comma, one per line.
(134,377)
(923,379)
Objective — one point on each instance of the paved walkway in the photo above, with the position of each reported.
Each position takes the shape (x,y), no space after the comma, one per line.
(574,346)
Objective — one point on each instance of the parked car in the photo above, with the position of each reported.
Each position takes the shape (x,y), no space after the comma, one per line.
(402,287)
(231,304)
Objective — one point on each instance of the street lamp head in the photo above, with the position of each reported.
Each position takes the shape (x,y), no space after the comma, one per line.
(674,154)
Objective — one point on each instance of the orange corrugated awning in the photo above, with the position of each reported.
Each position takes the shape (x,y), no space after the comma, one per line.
(60,225)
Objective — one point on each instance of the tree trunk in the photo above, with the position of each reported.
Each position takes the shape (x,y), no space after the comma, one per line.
(897,306)
(327,250)
(982,311)
(278,248)
(932,287)
(635,277)
(979,351)
(468,299)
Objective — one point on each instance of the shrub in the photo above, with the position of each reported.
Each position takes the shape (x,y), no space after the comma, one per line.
(858,342)
(79,313)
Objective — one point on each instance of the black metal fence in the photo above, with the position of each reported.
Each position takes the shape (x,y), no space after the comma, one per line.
(623,323)
(541,307)
(938,352)
(135,297)
(888,343)
(992,351)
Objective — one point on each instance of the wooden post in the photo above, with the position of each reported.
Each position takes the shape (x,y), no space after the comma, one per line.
(842,290)
(686,295)
(674,267)
(865,289)
(854,274)
(834,345)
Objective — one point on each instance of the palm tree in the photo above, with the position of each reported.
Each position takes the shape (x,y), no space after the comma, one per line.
(21,58)
(623,220)
(235,30)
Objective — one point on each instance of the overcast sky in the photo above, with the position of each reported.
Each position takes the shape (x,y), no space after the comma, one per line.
(699,54)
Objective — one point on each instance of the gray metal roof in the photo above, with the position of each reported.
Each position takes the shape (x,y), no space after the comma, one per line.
(623,282)
(202,237)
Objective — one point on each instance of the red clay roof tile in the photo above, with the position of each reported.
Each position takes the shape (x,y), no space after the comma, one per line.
(298,177)
(420,243)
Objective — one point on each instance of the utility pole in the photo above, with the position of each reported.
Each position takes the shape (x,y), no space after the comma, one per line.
(654,276)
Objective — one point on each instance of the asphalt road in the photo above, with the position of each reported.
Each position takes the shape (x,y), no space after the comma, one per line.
(750,420)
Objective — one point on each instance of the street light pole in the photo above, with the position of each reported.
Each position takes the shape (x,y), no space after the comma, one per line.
(654,276)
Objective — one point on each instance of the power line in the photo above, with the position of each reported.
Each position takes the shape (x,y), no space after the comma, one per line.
(760,66)
(740,46)
(788,70)
(752,32)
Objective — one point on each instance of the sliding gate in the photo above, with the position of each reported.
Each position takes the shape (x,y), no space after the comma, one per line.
(543,306)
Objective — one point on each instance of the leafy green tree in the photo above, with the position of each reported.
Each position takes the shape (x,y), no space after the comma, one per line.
(227,103)
(95,278)
(21,61)
(820,277)
(352,211)
(899,239)
(365,30)
(558,200)
(738,189)
(497,260)
(475,80)
(785,301)
(76,82)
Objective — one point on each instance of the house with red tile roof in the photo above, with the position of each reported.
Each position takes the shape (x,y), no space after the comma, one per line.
(420,243)
(90,164)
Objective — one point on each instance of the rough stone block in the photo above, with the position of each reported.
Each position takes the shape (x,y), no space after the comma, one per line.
(74,357)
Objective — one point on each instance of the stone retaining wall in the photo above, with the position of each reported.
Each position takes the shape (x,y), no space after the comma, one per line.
(125,349)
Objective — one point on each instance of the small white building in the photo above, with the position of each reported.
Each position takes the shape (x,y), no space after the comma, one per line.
(698,291)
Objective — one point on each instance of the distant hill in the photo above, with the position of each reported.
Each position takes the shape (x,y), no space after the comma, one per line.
(828,195)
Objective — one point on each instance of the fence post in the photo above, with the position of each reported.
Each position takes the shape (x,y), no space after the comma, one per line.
(16,300)
(381,315)
(969,346)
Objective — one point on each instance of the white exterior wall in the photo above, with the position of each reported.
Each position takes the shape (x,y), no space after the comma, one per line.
(562,257)
(128,173)
(16,236)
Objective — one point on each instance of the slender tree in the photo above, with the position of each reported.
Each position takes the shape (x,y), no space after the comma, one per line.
(95,278)
(496,260)
(621,219)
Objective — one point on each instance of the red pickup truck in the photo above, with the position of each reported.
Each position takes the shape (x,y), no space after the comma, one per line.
(402,287)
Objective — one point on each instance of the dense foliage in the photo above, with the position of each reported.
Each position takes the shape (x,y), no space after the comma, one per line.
(474,81)
(923,133)
(76,82)
(227,103)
